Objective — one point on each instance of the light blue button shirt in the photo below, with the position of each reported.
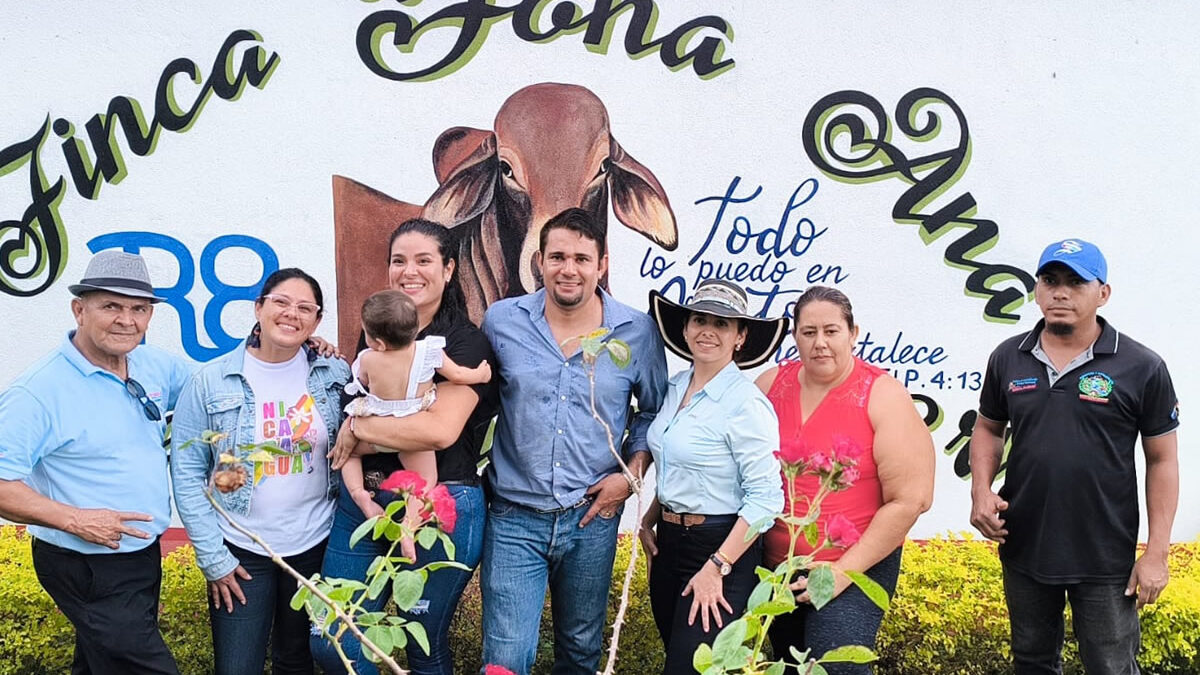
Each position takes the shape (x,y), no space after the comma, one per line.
(548,450)
(73,434)
(716,455)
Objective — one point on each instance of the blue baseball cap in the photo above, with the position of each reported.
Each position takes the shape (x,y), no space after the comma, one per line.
(1082,256)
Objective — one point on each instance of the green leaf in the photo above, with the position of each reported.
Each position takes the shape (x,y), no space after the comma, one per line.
(812,534)
(817,669)
(447,543)
(820,585)
(871,589)
(702,658)
(799,656)
(407,587)
(725,646)
(418,633)
(427,537)
(758,526)
(399,637)
(382,637)
(298,599)
(394,507)
(441,564)
(260,457)
(392,530)
(377,583)
(775,608)
(370,619)
(380,528)
(619,352)
(760,594)
(777,668)
(362,530)
(849,654)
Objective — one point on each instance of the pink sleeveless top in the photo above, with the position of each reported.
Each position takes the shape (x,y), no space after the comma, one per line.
(841,414)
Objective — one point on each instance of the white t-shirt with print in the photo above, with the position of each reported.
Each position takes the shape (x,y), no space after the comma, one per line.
(290,507)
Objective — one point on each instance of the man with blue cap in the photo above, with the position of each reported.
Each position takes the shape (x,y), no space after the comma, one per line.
(1077,395)
(82,462)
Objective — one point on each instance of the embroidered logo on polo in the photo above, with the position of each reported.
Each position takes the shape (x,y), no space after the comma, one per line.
(1023,384)
(1095,387)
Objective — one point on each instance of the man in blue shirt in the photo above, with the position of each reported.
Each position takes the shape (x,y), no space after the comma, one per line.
(557,490)
(82,462)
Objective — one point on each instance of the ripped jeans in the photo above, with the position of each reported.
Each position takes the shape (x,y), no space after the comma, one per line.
(445,586)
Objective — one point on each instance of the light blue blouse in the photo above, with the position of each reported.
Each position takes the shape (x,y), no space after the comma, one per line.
(717,454)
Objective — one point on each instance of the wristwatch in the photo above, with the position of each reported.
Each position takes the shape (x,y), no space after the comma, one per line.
(723,567)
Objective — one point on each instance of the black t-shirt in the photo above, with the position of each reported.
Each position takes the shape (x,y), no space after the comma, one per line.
(1071,481)
(467,346)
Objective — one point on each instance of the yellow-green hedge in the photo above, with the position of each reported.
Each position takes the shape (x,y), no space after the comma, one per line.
(948,617)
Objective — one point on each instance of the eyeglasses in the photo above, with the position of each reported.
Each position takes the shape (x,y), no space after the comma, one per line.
(284,303)
(149,408)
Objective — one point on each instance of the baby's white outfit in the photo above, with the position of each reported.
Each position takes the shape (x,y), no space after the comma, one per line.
(427,356)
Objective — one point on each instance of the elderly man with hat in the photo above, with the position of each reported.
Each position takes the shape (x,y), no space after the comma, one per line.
(82,462)
(1077,395)
(714,443)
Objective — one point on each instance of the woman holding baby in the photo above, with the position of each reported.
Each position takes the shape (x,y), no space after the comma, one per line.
(421,264)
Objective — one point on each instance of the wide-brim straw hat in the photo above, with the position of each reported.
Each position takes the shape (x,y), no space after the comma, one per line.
(117,272)
(719,298)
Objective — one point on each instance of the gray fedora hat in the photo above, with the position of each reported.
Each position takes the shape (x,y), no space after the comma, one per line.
(116,272)
(719,298)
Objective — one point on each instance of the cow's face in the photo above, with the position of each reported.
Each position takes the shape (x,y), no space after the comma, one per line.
(550,150)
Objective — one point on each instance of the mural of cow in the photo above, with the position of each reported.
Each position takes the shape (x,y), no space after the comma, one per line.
(550,149)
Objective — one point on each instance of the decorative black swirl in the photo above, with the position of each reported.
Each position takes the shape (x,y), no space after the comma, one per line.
(862,125)
(35,245)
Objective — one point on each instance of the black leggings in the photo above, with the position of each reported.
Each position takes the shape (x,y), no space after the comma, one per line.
(849,619)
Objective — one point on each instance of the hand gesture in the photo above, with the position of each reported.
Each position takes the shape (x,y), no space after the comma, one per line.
(105,526)
(649,541)
(985,515)
(705,589)
(1149,578)
(607,496)
(225,589)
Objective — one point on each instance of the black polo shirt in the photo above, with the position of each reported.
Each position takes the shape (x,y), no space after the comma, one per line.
(1071,481)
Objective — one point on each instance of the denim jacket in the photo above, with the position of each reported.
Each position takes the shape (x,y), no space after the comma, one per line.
(218,398)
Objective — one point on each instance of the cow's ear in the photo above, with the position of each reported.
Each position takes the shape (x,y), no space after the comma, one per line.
(638,200)
(465,163)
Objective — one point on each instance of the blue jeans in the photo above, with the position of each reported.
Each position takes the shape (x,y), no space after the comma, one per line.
(524,549)
(1105,621)
(443,589)
(849,619)
(240,637)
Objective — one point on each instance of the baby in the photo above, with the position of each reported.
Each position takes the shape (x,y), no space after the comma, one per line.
(394,376)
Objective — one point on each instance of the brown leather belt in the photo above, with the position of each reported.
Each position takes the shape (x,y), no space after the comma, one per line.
(684,519)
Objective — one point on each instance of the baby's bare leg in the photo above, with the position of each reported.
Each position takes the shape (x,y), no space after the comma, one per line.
(425,464)
(352,478)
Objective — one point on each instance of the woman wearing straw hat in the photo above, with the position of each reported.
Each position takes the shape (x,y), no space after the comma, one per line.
(714,442)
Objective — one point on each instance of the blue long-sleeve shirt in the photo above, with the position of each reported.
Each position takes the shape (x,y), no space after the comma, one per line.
(716,455)
(547,449)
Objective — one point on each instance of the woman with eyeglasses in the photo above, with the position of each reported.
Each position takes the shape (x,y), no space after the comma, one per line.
(273,390)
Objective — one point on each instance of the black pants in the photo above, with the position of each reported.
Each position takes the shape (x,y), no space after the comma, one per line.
(682,551)
(112,599)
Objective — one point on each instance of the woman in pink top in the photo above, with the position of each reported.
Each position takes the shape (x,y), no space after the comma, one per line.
(831,401)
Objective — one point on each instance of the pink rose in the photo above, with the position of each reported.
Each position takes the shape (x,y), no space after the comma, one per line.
(444,508)
(497,670)
(793,453)
(404,482)
(850,476)
(821,462)
(840,532)
(845,450)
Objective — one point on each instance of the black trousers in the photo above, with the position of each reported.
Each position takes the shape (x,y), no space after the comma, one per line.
(682,551)
(112,599)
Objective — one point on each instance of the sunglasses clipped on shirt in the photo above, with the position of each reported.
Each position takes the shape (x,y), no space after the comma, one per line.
(149,408)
